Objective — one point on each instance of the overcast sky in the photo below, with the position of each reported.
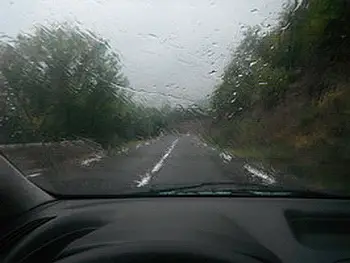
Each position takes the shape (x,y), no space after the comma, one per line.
(169,48)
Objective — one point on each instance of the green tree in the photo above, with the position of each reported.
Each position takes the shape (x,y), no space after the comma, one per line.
(62,82)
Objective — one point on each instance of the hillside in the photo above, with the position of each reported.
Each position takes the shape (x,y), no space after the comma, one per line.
(285,96)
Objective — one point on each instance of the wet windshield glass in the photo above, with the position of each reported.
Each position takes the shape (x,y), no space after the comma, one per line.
(112,97)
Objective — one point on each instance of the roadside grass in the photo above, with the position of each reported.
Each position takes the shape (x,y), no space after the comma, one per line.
(49,156)
(310,172)
(288,161)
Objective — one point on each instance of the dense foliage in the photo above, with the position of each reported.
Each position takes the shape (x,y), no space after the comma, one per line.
(63,82)
(285,95)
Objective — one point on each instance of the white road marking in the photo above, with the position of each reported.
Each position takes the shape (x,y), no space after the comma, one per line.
(123,150)
(159,165)
(260,174)
(227,157)
(145,179)
(87,162)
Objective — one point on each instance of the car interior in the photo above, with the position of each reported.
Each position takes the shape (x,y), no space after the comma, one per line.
(39,227)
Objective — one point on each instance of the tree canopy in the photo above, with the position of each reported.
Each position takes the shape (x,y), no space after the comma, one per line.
(64,82)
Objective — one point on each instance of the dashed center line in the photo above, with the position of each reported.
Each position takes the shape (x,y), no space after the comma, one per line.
(145,179)
(159,165)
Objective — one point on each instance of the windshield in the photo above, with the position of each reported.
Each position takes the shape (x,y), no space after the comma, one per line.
(105,97)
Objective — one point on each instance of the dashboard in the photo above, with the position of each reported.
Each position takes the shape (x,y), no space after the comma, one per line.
(180,229)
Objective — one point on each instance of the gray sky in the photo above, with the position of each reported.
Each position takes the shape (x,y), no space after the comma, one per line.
(168,47)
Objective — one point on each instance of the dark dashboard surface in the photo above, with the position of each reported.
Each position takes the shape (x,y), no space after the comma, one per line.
(232,229)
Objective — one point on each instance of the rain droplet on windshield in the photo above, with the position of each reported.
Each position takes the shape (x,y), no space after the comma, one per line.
(210,53)
(263,83)
(152,35)
(253,63)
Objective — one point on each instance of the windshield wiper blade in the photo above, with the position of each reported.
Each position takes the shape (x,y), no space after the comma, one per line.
(240,189)
(215,185)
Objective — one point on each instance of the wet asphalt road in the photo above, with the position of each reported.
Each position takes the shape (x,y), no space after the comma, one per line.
(170,160)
